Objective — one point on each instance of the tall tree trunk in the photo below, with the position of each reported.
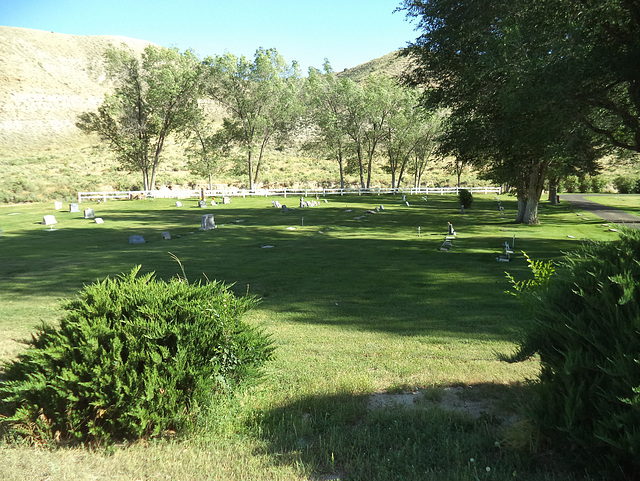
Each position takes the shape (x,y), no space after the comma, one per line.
(531,192)
(250,167)
(341,165)
(553,190)
(361,166)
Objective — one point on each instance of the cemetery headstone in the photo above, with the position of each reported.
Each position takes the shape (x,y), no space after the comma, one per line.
(202,204)
(451,229)
(136,239)
(58,205)
(49,220)
(166,235)
(74,208)
(226,200)
(178,204)
(99,220)
(208,222)
(88,213)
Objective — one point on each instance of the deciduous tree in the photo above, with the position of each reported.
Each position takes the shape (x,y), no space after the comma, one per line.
(155,96)
(262,98)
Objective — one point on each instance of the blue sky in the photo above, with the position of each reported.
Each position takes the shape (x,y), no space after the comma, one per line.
(347,32)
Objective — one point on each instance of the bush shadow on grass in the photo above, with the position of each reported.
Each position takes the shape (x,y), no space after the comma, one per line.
(346,436)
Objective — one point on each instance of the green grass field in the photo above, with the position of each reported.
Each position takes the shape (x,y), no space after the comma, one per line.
(365,313)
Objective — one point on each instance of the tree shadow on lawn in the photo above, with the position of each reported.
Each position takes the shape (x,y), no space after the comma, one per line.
(434,433)
(367,276)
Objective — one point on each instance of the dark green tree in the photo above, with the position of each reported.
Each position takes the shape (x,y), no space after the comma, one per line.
(495,65)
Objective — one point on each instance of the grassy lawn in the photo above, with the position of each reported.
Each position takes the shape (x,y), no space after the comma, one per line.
(360,309)
(627,202)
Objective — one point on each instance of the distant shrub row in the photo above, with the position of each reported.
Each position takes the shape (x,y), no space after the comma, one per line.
(595,184)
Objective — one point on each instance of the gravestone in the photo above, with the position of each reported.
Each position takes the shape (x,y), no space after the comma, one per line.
(202,204)
(73,208)
(462,209)
(136,239)
(404,198)
(208,222)
(49,220)
(99,220)
(166,235)
(226,200)
(58,205)
(89,214)
(451,229)
(178,204)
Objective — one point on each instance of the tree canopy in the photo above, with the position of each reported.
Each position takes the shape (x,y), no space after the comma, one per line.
(527,82)
(155,96)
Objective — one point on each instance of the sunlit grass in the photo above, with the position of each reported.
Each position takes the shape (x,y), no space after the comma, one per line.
(355,307)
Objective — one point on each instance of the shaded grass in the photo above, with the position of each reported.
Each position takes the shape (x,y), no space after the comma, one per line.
(354,306)
(626,202)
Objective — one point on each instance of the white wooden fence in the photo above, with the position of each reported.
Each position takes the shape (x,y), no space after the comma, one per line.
(186,194)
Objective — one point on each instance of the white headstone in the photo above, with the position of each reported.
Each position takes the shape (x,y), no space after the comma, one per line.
(73,208)
(178,204)
(208,222)
(88,213)
(166,235)
(49,220)
(99,220)
(58,205)
(202,204)
(136,239)
(226,200)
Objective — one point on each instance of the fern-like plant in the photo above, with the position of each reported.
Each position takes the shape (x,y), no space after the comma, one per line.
(586,330)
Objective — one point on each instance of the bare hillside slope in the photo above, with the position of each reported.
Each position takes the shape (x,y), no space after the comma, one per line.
(46,80)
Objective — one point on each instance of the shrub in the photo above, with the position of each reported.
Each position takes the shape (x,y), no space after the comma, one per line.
(133,356)
(597,184)
(466,198)
(624,185)
(570,184)
(587,333)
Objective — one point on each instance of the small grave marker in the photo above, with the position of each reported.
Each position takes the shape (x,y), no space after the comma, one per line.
(226,200)
(99,220)
(49,220)
(166,235)
(202,204)
(136,239)
(89,214)
(208,222)
(58,205)
(74,208)
(178,204)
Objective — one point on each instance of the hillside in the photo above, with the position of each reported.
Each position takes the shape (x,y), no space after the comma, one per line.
(46,80)
(393,64)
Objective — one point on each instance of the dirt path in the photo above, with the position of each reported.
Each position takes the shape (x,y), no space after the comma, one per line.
(608,214)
